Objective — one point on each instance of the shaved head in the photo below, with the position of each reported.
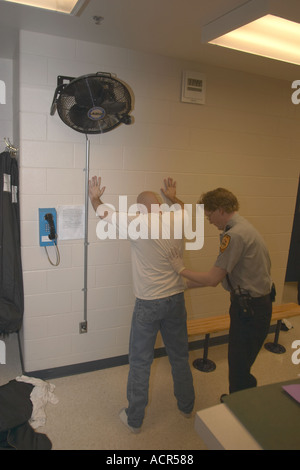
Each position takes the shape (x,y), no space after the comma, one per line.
(147,198)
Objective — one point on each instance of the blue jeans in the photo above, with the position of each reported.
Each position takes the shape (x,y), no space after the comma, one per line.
(149,316)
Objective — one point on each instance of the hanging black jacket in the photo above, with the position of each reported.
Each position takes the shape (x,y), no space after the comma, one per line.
(11,277)
(293,265)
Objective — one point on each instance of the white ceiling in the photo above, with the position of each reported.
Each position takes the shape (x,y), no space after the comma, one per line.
(167,27)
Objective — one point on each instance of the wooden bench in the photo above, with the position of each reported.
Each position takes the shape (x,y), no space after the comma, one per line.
(207,326)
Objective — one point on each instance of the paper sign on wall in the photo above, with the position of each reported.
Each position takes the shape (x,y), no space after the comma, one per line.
(70,222)
(2,92)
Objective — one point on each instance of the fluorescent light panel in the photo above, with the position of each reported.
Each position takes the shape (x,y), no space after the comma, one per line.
(63,6)
(269,36)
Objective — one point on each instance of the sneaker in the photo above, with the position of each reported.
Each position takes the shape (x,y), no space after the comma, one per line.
(124,419)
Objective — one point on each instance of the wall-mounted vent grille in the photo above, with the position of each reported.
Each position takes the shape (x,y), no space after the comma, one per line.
(194,84)
(193,87)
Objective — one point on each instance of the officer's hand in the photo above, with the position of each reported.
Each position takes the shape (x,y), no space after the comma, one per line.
(176,260)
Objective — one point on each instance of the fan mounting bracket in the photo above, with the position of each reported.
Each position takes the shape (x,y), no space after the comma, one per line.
(62,78)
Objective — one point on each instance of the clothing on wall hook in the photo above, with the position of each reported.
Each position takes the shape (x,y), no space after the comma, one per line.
(11,148)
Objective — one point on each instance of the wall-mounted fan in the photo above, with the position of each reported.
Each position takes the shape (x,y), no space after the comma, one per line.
(91,104)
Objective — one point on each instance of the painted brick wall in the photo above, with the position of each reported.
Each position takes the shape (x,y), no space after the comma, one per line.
(6,109)
(244,138)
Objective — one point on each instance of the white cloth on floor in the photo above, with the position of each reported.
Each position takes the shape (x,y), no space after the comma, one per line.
(41,394)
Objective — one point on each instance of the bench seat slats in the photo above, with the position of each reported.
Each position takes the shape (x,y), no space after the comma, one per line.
(201,326)
(285,311)
(208,325)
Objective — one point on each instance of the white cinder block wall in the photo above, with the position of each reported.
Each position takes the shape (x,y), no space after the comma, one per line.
(245,138)
(6,109)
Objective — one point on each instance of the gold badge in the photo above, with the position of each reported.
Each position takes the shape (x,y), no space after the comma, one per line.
(224,243)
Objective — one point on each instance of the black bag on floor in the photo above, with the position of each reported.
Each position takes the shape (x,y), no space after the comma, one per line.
(15,412)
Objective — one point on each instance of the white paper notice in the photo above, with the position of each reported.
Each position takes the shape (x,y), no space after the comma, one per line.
(70,222)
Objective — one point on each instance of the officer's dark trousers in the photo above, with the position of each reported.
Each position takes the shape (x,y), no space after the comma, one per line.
(246,337)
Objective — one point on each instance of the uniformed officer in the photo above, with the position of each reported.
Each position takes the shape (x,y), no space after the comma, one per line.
(243,267)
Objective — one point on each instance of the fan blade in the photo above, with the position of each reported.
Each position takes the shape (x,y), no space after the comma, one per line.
(85,91)
(89,91)
(109,122)
(113,108)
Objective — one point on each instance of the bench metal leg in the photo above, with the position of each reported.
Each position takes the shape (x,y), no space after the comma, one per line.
(204,364)
(275,347)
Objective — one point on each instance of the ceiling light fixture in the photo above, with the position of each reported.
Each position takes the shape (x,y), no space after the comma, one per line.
(268,28)
(70,7)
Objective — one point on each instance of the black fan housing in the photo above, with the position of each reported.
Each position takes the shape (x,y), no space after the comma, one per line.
(92,104)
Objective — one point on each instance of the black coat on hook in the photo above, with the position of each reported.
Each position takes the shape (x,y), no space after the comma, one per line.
(293,265)
(11,276)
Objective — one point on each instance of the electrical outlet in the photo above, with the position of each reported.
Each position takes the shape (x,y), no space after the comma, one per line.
(83,328)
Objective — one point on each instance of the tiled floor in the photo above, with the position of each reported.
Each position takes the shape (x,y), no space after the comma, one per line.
(86,416)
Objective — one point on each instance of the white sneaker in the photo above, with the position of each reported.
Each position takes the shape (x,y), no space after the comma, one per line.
(123,417)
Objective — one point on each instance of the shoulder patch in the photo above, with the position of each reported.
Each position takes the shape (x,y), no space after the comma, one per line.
(224,243)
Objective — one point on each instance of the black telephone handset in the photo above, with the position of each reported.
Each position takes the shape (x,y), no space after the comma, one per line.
(49,219)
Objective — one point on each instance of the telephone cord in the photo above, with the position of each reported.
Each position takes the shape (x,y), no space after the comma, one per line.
(57,254)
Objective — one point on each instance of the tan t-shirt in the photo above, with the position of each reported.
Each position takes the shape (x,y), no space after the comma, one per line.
(151,237)
(244,255)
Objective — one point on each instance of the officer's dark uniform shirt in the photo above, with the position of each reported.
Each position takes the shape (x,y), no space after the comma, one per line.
(244,255)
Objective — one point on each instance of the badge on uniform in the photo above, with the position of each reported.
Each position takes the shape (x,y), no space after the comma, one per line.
(224,243)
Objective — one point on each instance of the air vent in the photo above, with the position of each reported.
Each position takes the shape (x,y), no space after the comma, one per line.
(193,87)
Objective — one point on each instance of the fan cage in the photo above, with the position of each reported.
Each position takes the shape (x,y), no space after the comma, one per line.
(94,104)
